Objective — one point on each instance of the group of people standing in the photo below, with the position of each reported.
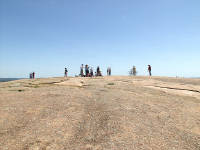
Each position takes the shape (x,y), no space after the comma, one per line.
(89,71)
(109,71)
(134,72)
(32,75)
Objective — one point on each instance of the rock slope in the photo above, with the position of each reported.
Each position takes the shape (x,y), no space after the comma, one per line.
(105,113)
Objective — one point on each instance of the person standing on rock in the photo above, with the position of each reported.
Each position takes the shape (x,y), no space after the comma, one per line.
(98,72)
(134,71)
(91,72)
(66,71)
(109,71)
(33,75)
(87,70)
(81,71)
(149,70)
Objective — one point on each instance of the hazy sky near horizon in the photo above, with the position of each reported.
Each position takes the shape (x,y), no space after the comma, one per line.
(46,36)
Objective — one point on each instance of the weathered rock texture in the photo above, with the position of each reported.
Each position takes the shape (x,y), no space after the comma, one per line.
(107,113)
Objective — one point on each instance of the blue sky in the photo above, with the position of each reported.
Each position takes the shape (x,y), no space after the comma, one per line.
(46,36)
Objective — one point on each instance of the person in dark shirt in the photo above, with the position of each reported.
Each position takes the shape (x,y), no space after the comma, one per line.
(149,70)
(87,70)
(30,75)
(33,76)
(98,71)
(134,71)
(66,71)
(109,71)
